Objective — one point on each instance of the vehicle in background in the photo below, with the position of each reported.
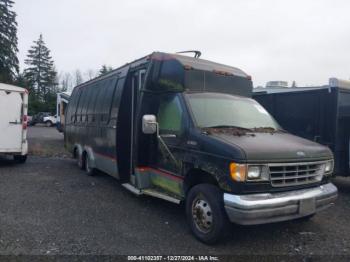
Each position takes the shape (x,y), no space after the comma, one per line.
(13,122)
(320,113)
(277,84)
(186,130)
(50,120)
(29,119)
(62,102)
(39,118)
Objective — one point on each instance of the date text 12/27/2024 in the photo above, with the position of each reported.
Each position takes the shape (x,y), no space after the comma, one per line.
(173,258)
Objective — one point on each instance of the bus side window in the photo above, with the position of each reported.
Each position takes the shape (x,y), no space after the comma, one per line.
(91,104)
(73,108)
(80,101)
(116,102)
(88,94)
(100,101)
(107,102)
(95,104)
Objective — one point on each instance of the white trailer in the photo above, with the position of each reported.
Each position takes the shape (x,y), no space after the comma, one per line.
(13,122)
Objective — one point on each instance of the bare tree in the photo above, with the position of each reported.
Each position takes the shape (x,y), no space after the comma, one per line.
(66,81)
(90,74)
(78,77)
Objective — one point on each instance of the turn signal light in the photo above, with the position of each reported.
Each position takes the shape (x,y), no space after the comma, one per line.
(238,172)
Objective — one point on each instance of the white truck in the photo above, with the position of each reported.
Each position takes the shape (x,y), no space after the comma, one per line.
(13,122)
(50,120)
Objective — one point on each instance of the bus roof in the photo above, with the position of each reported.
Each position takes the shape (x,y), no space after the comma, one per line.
(195,63)
(199,64)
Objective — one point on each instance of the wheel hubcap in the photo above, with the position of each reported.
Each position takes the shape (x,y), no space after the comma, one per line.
(202,215)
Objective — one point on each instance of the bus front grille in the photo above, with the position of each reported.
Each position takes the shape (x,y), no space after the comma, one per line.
(294,174)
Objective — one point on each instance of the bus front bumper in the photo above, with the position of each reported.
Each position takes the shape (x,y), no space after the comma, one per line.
(264,208)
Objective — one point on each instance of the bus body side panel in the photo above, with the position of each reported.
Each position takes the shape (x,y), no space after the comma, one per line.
(91,121)
(342,152)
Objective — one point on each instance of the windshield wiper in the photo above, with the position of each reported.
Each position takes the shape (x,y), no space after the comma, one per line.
(229,126)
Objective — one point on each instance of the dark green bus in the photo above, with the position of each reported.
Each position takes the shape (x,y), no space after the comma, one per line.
(186,130)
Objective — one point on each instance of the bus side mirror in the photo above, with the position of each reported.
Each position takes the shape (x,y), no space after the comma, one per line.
(149,124)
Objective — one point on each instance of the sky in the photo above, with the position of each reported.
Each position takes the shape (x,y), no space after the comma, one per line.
(292,40)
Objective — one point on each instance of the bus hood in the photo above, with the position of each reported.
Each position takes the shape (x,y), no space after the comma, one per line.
(276,147)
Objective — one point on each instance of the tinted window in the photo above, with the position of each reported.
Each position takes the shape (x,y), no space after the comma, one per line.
(109,91)
(107,101)
(198,80)
(104,98)
(100,97)
(79,104)
(116,99)
(93,95)
(89,92)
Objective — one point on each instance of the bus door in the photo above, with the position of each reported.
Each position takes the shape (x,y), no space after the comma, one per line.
(127,121)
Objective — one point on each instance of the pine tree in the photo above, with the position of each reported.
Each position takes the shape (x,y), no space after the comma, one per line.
(105,69)
(8,42)
(40,73)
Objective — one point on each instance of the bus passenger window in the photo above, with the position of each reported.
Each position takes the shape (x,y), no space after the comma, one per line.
(109,90)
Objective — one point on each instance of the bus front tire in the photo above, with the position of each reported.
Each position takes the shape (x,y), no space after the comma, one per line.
(206,214)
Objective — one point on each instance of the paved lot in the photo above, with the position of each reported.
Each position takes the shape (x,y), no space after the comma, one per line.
(49,206)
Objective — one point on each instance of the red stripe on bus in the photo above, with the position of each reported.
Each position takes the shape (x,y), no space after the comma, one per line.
(107,156)
(159,171)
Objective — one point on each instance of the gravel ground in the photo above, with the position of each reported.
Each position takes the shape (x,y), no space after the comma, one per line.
(49,206)
(46,141)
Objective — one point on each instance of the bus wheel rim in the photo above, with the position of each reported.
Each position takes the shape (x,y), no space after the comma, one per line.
(202,215)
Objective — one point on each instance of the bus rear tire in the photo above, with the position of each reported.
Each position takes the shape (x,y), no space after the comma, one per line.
(90,171)
(80,160)
(206,214)
(20,159)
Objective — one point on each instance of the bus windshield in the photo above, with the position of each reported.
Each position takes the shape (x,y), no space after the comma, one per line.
(214,110)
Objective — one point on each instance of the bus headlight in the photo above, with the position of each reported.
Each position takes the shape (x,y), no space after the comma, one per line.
(243,172)
(258,173)
(329,166)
